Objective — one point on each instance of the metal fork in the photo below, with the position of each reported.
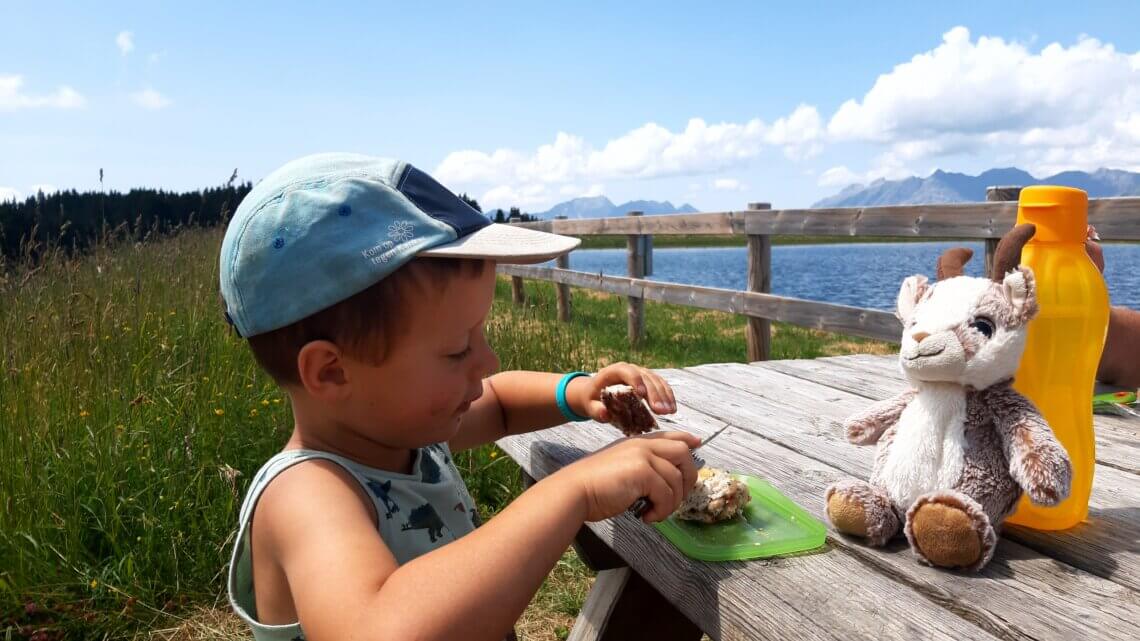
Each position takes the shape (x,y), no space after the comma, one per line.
(642,505)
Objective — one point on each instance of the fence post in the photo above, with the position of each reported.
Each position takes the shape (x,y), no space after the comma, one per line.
(647,245)
(998,194)
(759,334)
(635,263)
(518,296)
(562,289)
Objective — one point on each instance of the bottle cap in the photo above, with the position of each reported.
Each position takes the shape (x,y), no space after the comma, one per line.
(1060,213)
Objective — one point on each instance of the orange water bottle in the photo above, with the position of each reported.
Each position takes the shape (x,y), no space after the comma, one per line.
(1058,369)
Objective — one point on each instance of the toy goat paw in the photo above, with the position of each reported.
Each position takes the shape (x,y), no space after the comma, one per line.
(1046,474)
(859,430)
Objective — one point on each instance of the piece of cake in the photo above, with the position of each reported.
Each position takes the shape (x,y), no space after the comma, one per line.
(628,411)
(717,496)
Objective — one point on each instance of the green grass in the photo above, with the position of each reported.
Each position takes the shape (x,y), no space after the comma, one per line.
(131,422)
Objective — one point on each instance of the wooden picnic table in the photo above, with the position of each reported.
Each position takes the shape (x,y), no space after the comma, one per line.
(784,419)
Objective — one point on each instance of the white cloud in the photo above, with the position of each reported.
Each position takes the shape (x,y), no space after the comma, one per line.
(597,189)
(150,99)
(528,198)
(13,97)
(801,133)
(839,176)
(887,167)
(728,184)
(8,194)
(1044,107)
(1054,108)
(44,187)
(125,41)
(578,191)
(649,151)
(154,58)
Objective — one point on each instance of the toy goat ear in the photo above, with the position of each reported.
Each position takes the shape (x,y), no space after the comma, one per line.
(1020,289)
(909,294)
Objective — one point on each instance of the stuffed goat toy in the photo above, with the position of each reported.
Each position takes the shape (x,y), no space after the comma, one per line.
(957,449)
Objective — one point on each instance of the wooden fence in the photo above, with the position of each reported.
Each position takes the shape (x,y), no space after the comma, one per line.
(1114,219)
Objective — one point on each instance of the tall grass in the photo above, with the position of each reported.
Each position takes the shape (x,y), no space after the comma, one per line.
(131,421)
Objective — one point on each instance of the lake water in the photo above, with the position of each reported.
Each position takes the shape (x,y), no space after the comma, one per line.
(863,275)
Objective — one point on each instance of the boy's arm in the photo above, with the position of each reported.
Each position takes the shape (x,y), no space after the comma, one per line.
(346,584)
(1120,361)
(519,402)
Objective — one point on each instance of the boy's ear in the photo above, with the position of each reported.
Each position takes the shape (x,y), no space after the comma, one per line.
(320,366)
(913,287)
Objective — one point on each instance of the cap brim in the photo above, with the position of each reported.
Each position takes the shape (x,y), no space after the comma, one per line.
(506,244)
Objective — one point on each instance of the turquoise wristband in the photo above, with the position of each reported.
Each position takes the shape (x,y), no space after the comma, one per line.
(560,397)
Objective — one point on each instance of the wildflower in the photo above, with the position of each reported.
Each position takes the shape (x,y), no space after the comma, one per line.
(253,412)
(94,583)
(219,411)
(276,401)
(84,413)
(264,402)
(205,379)
(494,454)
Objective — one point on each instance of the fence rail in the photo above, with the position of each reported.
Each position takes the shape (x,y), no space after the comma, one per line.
(1114,218)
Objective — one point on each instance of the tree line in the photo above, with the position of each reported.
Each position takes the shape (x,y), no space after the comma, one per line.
(74,221)
(498,216)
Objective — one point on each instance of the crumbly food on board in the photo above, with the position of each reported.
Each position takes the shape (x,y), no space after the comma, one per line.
(717,496)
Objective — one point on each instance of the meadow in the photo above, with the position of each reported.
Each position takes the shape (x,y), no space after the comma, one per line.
(132,419)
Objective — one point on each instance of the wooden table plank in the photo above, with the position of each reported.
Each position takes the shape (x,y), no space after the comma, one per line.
(805,417)
(827,595)
(1020,594)
(1117,438)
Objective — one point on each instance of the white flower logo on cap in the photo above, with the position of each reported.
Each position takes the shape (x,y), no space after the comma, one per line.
(401,231)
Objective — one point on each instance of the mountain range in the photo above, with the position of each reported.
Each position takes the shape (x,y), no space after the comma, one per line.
(602,207)
(948,187)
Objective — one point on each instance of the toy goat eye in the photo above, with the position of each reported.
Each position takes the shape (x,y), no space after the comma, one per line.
(983,325)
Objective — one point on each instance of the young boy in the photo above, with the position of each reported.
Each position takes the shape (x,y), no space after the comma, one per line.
(363,286)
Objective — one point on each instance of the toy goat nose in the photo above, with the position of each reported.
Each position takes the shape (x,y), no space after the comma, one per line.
(919,336)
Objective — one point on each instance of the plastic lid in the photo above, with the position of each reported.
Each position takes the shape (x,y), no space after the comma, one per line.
(771,525)
(1061,214)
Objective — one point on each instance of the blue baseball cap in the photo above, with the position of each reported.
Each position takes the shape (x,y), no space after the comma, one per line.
(325,227)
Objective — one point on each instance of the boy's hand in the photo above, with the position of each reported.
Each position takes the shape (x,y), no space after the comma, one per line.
(585,394)
(1093,248)
(658,466)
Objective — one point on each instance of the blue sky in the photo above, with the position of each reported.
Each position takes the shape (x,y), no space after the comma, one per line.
(716,104)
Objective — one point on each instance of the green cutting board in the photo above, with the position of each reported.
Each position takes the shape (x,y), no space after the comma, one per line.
(771,525)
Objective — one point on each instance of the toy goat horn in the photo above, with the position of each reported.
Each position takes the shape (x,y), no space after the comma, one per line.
(1007,256)
(951,262)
